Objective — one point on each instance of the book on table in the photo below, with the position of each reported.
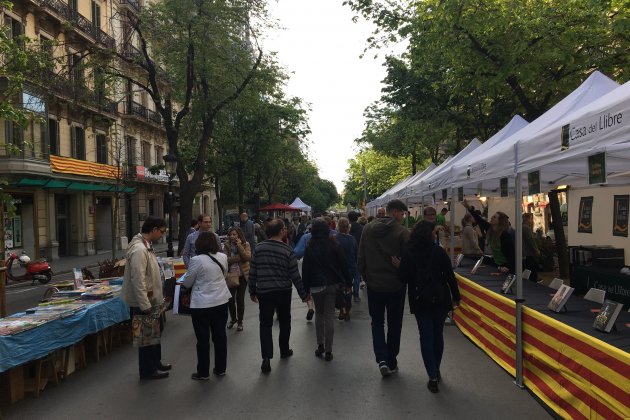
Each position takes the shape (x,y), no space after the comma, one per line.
(560,298)
(477,265)
(605,319)
(507,284)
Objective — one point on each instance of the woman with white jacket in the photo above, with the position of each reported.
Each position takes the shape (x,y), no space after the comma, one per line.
(208,304)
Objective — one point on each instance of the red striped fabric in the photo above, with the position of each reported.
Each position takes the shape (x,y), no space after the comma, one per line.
(82,167)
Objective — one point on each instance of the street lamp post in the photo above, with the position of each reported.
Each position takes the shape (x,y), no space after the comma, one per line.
(170,164)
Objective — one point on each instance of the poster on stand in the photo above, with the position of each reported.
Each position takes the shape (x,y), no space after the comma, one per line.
(585,222)
(620,215)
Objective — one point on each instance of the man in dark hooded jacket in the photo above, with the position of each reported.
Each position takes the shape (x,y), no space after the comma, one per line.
(382,244)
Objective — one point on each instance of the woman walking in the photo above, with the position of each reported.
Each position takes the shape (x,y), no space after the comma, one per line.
(324,272)
(239,253)
(432,290)
(208,304)
(350,248)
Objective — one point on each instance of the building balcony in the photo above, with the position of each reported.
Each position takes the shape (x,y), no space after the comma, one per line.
(68,88)
(132,52)
(140,111)
(80,23)
(24,159)
(133,5)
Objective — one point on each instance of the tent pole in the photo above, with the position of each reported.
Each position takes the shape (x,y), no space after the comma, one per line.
(452,211)
(518,202)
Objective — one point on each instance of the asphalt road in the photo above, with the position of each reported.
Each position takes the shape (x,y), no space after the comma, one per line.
(24,295)
(301,387)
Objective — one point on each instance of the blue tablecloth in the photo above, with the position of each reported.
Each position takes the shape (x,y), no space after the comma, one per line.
(30,345)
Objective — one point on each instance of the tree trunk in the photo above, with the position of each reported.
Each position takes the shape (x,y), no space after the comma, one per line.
(240,187)
(217,191)
(186,198)
(558,230)
(114,224)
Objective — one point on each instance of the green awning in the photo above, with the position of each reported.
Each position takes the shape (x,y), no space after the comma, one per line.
(28,182)
(72,186)
(80,186)
(54,183)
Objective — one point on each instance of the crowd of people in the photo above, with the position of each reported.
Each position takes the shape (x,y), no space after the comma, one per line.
(339,256)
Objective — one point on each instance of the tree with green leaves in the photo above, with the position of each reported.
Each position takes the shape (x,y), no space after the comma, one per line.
(196,57)
(382,172)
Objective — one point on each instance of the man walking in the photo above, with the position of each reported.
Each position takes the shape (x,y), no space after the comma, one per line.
(247,226)
(272,274)
(142,291)
(381,247)
(205,225)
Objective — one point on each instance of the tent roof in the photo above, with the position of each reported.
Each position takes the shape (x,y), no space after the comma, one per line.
(298,203)
(500,160)
(278,207)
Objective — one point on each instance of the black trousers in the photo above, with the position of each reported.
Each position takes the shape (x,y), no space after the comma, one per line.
(237,301)
(269,303)
(207,321)
(149,357)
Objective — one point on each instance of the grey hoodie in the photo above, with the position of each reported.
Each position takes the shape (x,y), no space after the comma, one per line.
(382,239)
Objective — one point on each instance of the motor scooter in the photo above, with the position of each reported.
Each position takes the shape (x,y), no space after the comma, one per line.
(35,270)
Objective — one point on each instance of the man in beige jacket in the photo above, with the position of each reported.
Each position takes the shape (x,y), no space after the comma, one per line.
(142,291)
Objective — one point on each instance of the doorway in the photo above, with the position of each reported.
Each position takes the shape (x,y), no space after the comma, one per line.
(103,223)
(62,214)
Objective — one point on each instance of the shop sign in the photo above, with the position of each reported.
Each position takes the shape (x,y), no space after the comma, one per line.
(144,173)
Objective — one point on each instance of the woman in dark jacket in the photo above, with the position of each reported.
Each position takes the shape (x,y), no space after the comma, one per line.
(432,290)
(498,239)
(324,271)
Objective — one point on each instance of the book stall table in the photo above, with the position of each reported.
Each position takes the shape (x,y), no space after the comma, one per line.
(576,370)
(27,337)
(616,285)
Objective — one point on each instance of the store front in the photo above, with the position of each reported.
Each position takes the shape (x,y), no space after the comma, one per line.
(20,227)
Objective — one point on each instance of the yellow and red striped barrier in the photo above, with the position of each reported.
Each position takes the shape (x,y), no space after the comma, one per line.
(576,375)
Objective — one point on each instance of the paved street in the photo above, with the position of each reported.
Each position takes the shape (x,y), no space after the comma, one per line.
(301,387)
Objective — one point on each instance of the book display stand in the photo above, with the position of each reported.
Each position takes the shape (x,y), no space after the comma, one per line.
(560,298)
(508,284)
(477,265)
(605,319)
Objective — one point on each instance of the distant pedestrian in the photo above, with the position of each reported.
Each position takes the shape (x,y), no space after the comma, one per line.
(205,225)
(208,304)
(351,252)
(325,274)
(272,275)
(382,245)
(426,268)
(247,226)
(239,253)
(356,229)
(470,241)
(142,291)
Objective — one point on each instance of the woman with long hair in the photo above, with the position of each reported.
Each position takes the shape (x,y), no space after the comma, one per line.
(470,240)
(324,271)
(433,292)
(498,239)
(208,304)
(239,253)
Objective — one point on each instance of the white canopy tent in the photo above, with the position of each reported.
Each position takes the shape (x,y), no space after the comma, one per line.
(299,204)
(398,190)
(502,160)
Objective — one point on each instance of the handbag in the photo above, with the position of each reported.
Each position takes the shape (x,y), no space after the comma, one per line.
(181,301)
(146,328)
(233,276)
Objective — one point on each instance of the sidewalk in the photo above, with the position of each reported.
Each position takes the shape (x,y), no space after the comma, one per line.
(66,264)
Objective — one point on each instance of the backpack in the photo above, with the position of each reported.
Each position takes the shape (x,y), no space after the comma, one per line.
(426,292)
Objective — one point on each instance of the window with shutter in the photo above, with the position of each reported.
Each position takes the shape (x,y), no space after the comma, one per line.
(53,136)
(101,148)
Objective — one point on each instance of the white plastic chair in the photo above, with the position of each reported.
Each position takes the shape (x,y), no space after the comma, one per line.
(556,283)
(595,295)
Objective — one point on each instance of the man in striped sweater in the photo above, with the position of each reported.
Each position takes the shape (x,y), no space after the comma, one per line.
(272,274)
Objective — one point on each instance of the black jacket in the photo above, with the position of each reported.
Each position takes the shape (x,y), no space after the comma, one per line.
(507,243)
(324,265)
(420,256)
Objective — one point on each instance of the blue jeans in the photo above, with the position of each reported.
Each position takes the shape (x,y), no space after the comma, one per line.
(431,329)
(394,304)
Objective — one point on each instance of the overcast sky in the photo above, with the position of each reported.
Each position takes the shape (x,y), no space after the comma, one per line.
(320,46)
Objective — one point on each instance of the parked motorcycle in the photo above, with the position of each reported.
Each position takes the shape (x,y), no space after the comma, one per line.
(35,270)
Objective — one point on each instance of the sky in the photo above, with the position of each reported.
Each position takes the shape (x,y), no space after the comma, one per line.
(320,47)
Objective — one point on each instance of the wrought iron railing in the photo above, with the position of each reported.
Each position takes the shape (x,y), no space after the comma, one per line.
(132,52)
(139,110)
(134,4)
(76,90)
(80,22)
